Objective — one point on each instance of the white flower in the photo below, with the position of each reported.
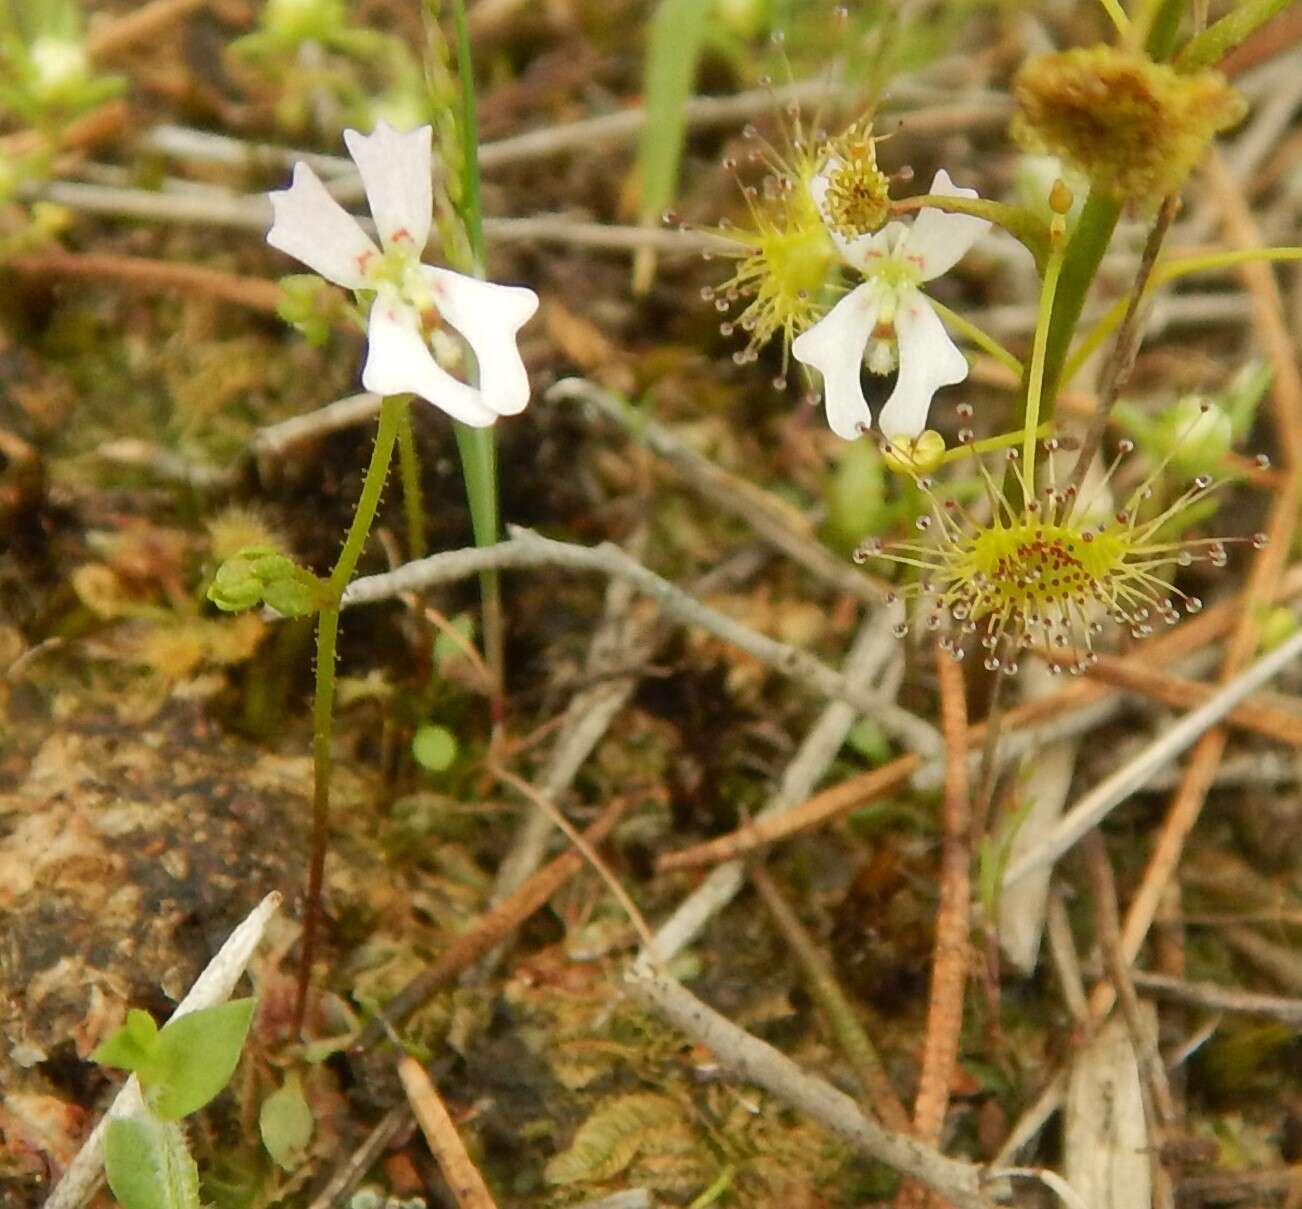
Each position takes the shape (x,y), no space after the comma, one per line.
(888,322)
(410,298)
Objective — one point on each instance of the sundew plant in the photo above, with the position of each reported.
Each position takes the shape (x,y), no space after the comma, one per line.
(667,523)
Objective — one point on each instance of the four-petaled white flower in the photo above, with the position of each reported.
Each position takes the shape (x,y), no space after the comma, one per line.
(411,299)
(888,322)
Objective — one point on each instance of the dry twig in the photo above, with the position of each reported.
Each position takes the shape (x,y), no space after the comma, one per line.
(461,1175)
(757,1062)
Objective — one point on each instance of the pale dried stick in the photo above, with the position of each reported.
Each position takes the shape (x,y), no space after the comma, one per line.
(873,646)
(1210,997)
(880,1097)
(353,1170)
(757,1062)
(214,985)
(1107,926)
(273,441)
(1115,789)
(459,1173)
(527,549)
(778,524)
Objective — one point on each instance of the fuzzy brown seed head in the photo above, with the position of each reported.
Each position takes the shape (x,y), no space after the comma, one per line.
(1134,127)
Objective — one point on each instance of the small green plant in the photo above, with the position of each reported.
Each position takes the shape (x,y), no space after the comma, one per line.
(180,1068)
(48,77)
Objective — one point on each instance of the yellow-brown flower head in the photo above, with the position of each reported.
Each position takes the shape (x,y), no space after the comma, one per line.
(784,254)
(1135,128)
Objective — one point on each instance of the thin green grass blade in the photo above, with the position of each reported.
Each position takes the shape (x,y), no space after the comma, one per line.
(677,33)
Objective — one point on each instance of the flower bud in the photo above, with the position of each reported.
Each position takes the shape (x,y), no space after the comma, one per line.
(914,455)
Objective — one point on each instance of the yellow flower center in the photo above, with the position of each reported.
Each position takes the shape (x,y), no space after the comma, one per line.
(857,201)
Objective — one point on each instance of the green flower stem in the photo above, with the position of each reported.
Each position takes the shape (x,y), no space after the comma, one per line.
(1117,16)
(1215,42)
(1018,221)
(479,469)
(1085,251)
(1035,370)
(1171,270)
(1005,440)
(981,338)
(413,502)
(1090,239)
(477,446)
(392,410)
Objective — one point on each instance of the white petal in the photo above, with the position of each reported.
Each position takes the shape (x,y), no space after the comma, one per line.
(398,360)
(938,240)
(488,316)
(929,359)
(834,346)
(312,227)
(395,172)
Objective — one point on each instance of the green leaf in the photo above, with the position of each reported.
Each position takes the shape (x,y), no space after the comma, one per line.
(235,588)
(195,1057)
(285,1122)
(294,596)
(148,1164)
(1218,39)
(434,747)
(677,34)
(132,1046)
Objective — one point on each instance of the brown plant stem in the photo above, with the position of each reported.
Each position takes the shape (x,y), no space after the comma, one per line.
(146,21)
(1283,725)
(1125,348)
(152,275)
(461,1175)
(949,962)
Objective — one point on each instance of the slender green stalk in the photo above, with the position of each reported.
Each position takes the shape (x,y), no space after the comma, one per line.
(1085,250)
(1005,440)
(1117,16)
(1035,371)
(1215,42)
(413,502)
(1089,241)
(327,643)
(1171,270)
(477,446)
(471,205)
(1018,221)
(479,469)
(978,336)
